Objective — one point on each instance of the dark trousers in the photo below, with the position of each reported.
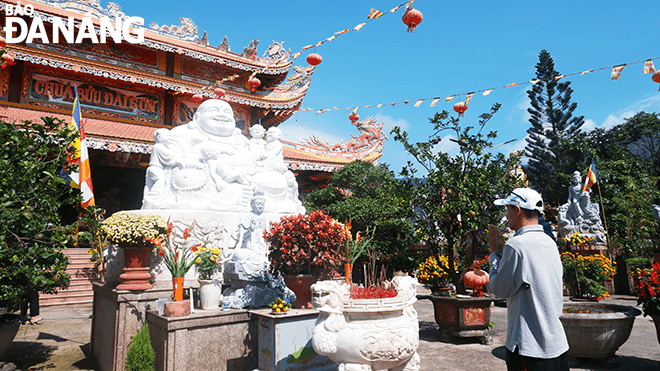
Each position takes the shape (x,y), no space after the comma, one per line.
(33,301)
(516,362)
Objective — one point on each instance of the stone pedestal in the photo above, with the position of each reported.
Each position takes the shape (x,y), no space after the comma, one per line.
(205,340)
(177,308)
(117,317)
(135,279)
(285,341)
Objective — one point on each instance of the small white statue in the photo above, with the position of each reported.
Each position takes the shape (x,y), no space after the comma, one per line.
(579,214)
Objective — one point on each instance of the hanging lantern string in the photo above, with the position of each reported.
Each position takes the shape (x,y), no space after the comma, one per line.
(372,16)
(616,70)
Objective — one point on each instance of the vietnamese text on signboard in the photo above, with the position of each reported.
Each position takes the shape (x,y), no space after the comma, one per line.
(51,89)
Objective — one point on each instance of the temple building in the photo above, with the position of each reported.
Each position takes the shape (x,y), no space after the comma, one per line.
(128,90)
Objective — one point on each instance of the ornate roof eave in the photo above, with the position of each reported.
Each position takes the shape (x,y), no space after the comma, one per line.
(273,100)
(154,39)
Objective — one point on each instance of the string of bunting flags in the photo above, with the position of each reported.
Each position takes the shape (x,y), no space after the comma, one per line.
(649,68)
(373,15)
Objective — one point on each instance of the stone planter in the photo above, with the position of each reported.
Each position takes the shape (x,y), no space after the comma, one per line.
(135,276)
(462,317)
(365,334)
(598,333)
(300,284)
(9,325)
(210,292)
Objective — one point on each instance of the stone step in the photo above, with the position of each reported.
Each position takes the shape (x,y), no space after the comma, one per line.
(66,297)
(82,274)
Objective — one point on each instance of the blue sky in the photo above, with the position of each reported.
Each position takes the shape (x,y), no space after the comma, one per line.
(459,47)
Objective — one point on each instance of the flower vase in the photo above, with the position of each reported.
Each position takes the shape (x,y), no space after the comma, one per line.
(177,286)
(348,273)
(210,292)
(136,275)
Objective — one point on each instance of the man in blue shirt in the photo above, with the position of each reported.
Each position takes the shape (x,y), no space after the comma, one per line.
(527,271)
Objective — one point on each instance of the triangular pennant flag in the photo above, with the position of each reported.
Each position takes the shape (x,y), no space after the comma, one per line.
(320,43)
(393,103)
(434,102)
(534,82)
(648,67)
(449,98)
(395,8)
(616,71)
(296,55)
(331,38)
(341,32)
(379,105)
(406,102)
(559,77)
(487,92)
(307,47)
(335,108)
(418,102)
(358,27)
(585,72)
(368,106)
(374,14)
(512,84)
(469,96)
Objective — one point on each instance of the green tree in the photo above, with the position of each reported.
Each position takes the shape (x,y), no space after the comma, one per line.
(627,161)
(140,355)
(32,233)
(453,195)
(551,162)
(370,197)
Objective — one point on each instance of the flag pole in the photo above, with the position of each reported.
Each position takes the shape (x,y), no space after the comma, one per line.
(602,208)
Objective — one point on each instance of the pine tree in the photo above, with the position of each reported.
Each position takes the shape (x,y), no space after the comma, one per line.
(552,120)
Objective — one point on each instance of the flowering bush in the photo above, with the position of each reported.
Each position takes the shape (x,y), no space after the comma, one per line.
(481,264)
(306,244)
(577,241)
(133,230)
(207,261)
(585,276)
(178,257)
(434,271)
(648,289)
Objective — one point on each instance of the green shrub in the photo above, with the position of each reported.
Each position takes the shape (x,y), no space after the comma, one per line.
(141,356)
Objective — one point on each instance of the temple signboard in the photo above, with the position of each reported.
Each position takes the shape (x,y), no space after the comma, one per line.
(121,102)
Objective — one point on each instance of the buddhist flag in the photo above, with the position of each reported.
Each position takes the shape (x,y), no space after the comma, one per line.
(395,8)
(449,98)
(487,92)
(80,156)
(374,14)
(585,72)
(648,67)
(434,102)
(358,27)
(468,98)
(616,71)
(591,179)
(419,102)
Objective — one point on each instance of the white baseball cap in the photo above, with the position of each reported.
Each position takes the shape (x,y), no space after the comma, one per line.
(525,198)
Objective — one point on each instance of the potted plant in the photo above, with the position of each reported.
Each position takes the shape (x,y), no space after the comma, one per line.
(577,241)
(585,276)
(647,285)
(355,248)
(177,253)
(33,232)
(453,196)
(433,273)
(207,261)
(304,248)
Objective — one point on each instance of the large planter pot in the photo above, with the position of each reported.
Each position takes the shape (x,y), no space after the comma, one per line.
(596,330)
(210,292)
(135,276)
(300,285)
(375,333)
(462,317)
(9,325)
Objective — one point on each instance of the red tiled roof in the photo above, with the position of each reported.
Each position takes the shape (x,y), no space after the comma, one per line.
(93,126)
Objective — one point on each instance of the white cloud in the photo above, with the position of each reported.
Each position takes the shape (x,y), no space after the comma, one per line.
(649,104)
(589,125)
(299,133)
(447,146)
(391,122)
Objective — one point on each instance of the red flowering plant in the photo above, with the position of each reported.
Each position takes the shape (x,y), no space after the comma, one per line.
(306,244)
(647,284)
(178,257)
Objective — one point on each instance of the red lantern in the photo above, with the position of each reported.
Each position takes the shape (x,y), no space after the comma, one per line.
(460,107)
(353,117)
(477,279)
(3,42)
(197,98)
(9,59)
(656,76)
(314,59)
(254,83)
(412,17)
(219,92)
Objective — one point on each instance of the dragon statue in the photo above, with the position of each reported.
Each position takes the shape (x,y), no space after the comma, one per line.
(371,133)
(367,334)
(187,30)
